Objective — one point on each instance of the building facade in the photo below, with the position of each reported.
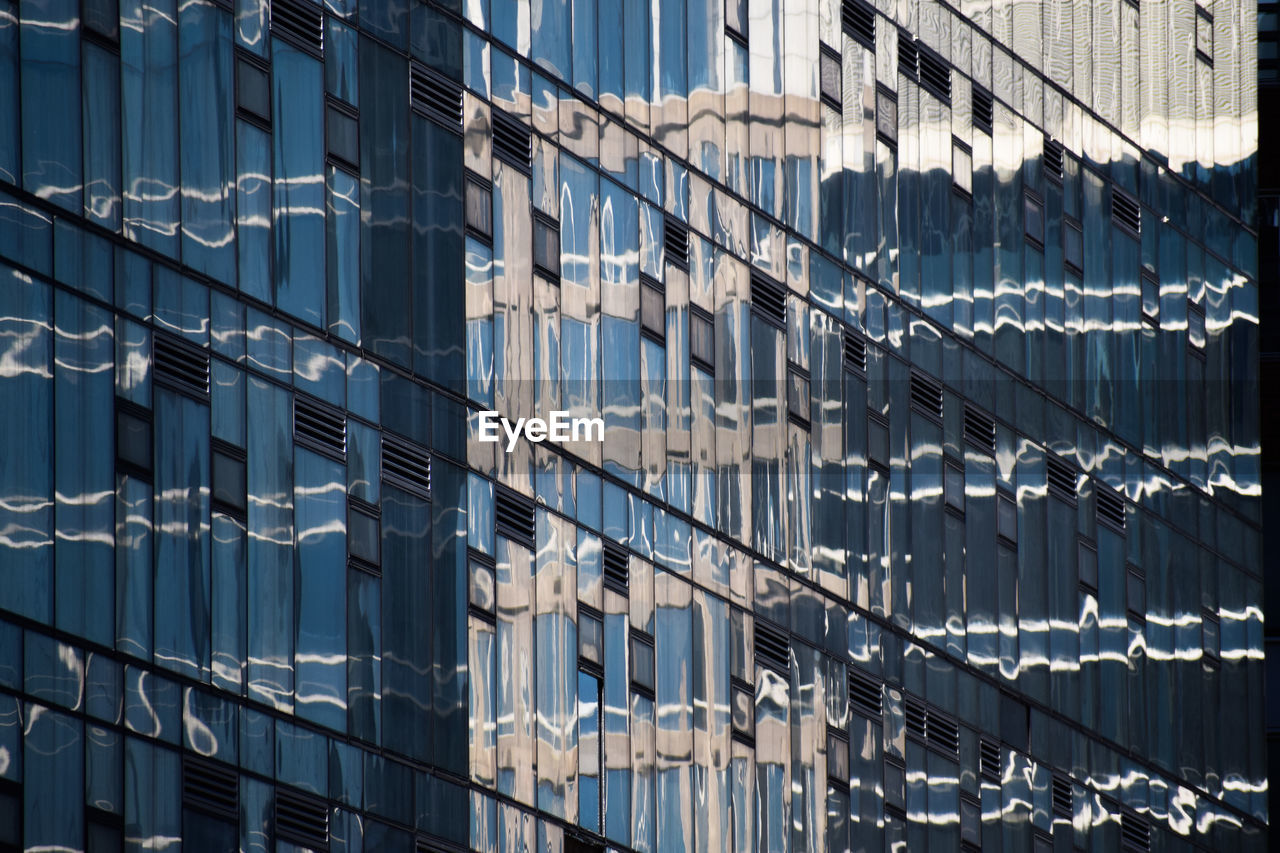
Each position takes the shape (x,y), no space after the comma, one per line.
(926,514)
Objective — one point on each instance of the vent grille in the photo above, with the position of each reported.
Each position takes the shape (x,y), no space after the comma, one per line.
(300,23)
(302,820)
(935,75)
(512,142)
(1053,161)
(916,717)
(773,648)
(435,96)
(1062,479)
(944,734)
(617,574)
(1062,797)
(855,352)
(1110,507)
(926,395)
(859,23)
(908,57)
(181,366)
(1135,833)
(1125,211)
(979,429)
(513,515)
(210,787)
(406,465)
(983,110)
(769,298)
(675,239)
(320,428)
(989,759)
(864,693)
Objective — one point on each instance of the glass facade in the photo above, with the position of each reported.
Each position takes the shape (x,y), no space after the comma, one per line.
(925,337)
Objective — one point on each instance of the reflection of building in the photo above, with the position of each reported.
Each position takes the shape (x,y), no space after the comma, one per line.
(927,511)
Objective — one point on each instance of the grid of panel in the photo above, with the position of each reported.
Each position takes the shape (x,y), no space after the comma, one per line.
(887,408)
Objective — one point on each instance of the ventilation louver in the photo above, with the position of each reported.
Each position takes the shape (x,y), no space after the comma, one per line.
(769,298)
(908,57)
(300,23)
(1053,161)
(1062,479)
(859,23)
(302,820)
(1110,506)
(773,648)
(865,694)
(617,573)
(855,352)
(1135,833)
(989,759)
(406,465)
(916,717)
(944,734)
(979,429)
(435,96)
(1062,797)
(926,395)
(983,110)
(1125,211)
(513,515)
(675,242)
(320,428)
(210,787)
(180,365)
(512,141)
(935,75)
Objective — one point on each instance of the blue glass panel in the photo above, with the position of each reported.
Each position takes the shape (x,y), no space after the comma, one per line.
(320,512)
(52,167)
(299,189)
(26,479)
(102,187)
(182,546)
(253,210)
(206,140)
(149,115)
(54,747)
(270,584)
(84,474)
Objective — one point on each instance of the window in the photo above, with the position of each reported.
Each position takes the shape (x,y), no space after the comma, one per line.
(744,711)
(1195,327)
(364,536)
(479,207)
(1033,218)
(546,247)
(253,91)
(953,487)
(829,77)
(702,339)
(798,394)
(1073,245)
(887,116)
(962,167)
(1007,519)
(1204,34)
(653,309)
(590,636)
(642,662)
(228,474)
(1150,298)
(133,438)
(342,135)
